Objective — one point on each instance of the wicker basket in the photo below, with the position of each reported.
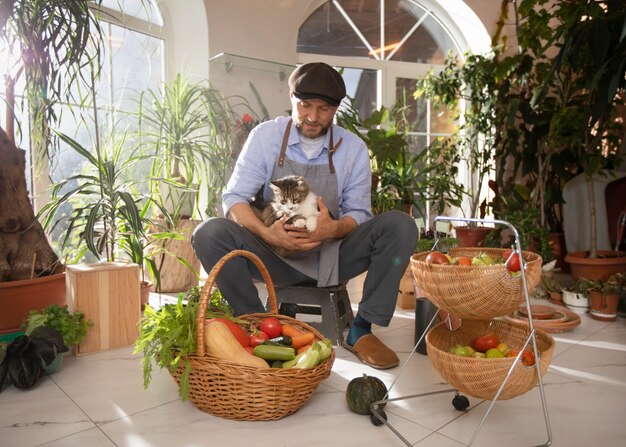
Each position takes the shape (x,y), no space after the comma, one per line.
(234,391)
(477,291)
(482,377)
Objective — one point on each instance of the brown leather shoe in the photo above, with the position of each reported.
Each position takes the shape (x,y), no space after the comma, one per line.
(373,352)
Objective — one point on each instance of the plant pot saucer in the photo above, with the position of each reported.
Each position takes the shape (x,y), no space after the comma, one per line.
(557,316)
(539,311)
(559,324)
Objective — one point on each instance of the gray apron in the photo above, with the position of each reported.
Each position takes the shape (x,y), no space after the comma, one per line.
(321,263)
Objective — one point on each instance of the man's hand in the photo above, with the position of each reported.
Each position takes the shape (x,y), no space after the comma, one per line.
(290,237)
(327,227)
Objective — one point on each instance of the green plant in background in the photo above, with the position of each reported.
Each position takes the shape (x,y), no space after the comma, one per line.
(556,115)
(613,285)
(228,131)
(173,126)
(592,61)
(53,40)
(474,83)
(400,178)
(107,215)
(71,325)
(194,134)
(143,243)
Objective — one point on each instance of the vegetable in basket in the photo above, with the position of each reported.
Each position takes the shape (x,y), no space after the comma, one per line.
(167,336)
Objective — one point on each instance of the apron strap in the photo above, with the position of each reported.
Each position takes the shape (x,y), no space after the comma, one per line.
(331,150)
(283,147)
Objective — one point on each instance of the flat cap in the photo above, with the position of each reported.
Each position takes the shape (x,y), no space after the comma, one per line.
(317,80)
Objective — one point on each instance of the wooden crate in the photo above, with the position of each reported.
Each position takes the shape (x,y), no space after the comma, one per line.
(108,294)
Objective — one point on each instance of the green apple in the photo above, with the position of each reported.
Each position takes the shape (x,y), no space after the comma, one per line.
(494,353)
(462,351)
(482,259)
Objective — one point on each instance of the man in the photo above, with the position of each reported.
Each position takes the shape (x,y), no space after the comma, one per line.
(347,241)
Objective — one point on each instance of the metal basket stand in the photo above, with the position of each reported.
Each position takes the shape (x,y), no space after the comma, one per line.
(377,412)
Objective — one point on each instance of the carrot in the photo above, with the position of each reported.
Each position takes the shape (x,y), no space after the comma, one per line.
(304,348)
(291,331)
(297,341)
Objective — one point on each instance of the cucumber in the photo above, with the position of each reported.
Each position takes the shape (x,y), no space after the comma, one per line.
(283,340)
(270,352)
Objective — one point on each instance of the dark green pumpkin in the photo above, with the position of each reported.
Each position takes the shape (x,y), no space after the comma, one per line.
(363,391)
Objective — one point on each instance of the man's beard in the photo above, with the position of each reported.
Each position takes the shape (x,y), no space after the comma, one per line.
(312,134)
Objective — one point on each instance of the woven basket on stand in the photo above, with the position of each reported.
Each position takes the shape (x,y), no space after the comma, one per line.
(233,391)
(476,291)
(482,377)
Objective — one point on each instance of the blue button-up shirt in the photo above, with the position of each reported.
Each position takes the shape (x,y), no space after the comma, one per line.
(260,152)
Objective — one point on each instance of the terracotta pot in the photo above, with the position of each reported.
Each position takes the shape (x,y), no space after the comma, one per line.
(603,307)
(18,298)
(602,267)
(144,293)
(472,237)
(556,298)
(559,251)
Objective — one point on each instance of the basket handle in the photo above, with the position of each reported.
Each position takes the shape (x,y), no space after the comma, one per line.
(206,291)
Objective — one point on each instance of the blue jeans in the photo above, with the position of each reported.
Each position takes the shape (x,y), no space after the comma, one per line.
(382,246)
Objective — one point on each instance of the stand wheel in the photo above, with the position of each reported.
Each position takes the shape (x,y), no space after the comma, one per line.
(460,402)
(377,422)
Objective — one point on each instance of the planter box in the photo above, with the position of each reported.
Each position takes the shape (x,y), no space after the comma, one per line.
(108,294)
(18,298)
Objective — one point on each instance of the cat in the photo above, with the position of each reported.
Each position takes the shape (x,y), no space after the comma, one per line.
(292,198)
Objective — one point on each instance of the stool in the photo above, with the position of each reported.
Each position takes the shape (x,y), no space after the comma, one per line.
(332,303)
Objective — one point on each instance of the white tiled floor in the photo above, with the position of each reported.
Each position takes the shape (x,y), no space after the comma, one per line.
(99,400)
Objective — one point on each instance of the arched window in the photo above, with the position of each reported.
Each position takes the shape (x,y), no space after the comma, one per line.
(384,46)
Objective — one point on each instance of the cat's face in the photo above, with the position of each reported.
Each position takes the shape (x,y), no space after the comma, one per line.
(289,192)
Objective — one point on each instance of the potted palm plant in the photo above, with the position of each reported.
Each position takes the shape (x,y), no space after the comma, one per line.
(108,219)
(51,39)
(174,124)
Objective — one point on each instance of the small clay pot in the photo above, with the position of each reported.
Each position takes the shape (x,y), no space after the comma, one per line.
(603,307)
(556,298)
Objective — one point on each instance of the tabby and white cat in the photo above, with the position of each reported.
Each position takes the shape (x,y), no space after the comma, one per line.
(292,198)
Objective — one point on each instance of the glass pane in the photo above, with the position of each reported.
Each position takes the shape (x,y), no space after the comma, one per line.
(138,65)
(441,121)
(417,113)
(142,9)
(326,31)
(361,85)
(400,17)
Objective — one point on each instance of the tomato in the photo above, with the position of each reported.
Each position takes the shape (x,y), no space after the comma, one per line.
(436,257)
(272,327)
(527,358)
(484,343)
(512,261)
(240,334)
(464,260)
(257,338)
